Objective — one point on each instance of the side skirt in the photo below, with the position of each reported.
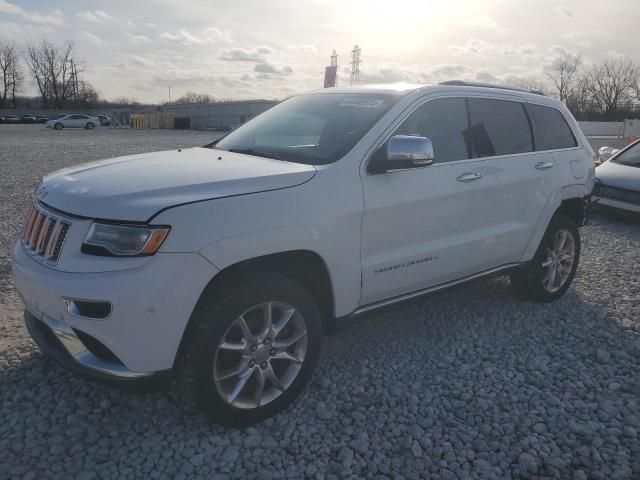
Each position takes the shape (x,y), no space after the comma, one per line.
(425,291)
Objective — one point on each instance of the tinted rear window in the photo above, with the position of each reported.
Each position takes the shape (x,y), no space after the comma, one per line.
(499,127)
(552,130)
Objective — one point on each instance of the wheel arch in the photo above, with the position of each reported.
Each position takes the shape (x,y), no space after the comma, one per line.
(574,208)
(305,267)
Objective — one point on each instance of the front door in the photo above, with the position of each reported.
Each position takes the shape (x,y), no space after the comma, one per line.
(431,225)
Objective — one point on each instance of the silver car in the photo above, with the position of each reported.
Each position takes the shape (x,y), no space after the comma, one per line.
(74,121)
(618,180)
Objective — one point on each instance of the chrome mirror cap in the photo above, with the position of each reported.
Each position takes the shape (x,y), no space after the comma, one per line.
(417,150)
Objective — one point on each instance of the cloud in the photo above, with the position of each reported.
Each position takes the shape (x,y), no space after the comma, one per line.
(53,17)
(150,25)
(483,22)
(137,38)
(563,11)
(475,47)
(207,35)
(584,39)
(270,69)
(95,16)
(92,38)
(246,54)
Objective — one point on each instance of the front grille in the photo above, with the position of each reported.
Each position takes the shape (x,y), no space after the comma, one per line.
(620,194)
(43,235)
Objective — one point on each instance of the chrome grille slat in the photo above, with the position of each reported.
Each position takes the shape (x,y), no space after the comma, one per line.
(43,235)
(37,224)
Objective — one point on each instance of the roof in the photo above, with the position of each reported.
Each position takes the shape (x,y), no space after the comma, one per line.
(406,88)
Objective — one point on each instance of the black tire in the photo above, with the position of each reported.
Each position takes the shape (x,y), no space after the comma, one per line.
(89,126)
(58,126)
(212,318)
(528,280)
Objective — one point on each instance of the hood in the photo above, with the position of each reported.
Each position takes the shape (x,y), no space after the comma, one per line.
(135,187)
(619,176)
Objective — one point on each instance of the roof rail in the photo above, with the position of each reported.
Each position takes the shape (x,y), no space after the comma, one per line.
(462,83)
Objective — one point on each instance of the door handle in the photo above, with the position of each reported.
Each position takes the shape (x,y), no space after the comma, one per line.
(544,165)
(468,177)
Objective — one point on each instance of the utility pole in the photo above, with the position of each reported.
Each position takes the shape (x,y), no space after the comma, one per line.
(355,65)
(169,93)
(73,78)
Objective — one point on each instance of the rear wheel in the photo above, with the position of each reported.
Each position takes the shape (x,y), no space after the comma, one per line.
(554,265)
(253,348)
(58,126)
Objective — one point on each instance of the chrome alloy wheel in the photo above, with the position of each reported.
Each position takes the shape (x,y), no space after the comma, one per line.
(260,355)
(559,261)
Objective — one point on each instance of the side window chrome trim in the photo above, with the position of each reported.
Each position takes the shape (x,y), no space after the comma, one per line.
(408,111)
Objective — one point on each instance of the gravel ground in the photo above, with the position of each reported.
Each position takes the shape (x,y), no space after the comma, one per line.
(468,383)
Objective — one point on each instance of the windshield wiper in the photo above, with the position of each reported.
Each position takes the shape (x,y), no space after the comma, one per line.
(251,151)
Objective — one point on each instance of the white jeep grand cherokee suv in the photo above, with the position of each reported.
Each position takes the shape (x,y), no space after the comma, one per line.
(229,261)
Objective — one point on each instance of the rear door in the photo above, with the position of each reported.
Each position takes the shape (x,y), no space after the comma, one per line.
(504,133)
(73,121)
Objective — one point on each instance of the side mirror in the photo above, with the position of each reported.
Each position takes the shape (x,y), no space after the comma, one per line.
(402,152)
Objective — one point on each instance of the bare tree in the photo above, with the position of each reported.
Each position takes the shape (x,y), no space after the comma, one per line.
(87,95)
(10,73)
(193,97)
(610,84)
(563,72)
(52,68)
(579,99)
(530,84)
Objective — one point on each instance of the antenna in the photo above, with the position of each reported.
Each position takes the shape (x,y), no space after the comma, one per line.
(355,65)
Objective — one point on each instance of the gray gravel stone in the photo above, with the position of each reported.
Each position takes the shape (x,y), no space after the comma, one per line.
(470,383)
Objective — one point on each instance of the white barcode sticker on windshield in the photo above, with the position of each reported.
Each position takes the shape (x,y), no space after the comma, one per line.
(362,102)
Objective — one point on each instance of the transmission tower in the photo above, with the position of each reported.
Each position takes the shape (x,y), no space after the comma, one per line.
(73,77)
(355,65)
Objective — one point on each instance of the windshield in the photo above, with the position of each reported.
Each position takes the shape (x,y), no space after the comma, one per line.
(629,157)
(313,129)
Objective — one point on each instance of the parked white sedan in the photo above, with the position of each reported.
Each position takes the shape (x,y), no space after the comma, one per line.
(74,121)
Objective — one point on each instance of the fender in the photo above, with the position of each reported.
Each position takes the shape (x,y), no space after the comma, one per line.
(345,280)
(553,203)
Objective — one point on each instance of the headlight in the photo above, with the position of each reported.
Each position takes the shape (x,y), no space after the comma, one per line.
(123,240)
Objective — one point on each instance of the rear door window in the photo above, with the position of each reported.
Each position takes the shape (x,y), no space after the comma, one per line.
(552,130)
(499,127)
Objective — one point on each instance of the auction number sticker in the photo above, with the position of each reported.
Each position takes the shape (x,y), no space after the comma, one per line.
(362,102)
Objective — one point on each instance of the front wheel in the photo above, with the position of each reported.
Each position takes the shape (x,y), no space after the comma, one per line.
(58,126)
(90,126)
(253,348)
(549,274)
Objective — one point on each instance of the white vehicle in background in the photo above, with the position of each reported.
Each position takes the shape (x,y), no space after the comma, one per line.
(74,121)
(618,180)
(226,263)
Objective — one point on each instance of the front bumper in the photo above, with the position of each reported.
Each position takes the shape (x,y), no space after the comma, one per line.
(61,343)
(151,306)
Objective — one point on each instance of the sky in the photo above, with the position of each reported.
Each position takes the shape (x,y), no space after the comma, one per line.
(242,49)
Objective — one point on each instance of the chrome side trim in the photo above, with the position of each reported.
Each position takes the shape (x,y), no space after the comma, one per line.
(74,346)
(424,291)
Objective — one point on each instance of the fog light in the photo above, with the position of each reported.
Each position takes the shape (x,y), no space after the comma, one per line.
(94,309)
